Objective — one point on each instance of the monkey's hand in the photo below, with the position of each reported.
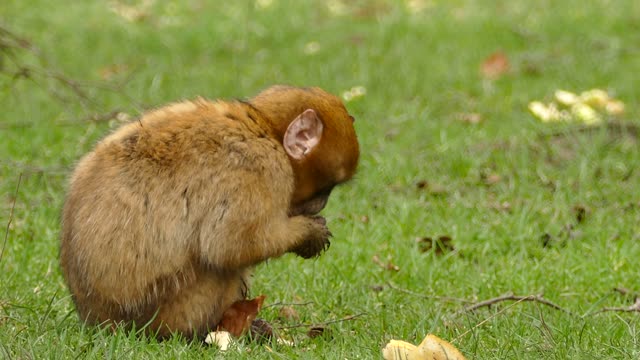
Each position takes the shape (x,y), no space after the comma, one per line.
(317,240)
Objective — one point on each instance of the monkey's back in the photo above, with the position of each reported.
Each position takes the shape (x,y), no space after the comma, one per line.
(139,205)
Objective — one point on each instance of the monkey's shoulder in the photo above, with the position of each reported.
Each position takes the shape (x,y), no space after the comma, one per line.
(200,133)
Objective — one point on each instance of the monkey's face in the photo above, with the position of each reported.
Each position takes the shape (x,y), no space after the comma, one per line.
(318,135)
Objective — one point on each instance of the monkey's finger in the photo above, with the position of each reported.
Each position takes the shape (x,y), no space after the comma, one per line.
(320,220)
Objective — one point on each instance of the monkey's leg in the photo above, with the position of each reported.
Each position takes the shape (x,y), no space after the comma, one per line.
(197,307)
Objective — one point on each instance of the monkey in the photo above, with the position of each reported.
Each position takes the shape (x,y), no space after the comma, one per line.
(165,219)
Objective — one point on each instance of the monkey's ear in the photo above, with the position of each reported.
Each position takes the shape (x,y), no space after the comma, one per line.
(303,134)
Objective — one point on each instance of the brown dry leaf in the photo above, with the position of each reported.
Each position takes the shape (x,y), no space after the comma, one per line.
(470,118)
(580,212)
(433,189)
(441,245)
(289,313)
(388,266)
(494,66)
(491,179)
(109,71)
(504,206)
(237,319)
(261,330)
(317,331)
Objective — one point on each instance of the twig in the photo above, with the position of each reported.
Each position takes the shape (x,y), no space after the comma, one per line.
(288,304)
(347,318)
(486,320)
(442,298)
(616,127)
(7,36)
(13,205)
(633,308)
(510,297)
(27,169)
(12,46)
(623,291)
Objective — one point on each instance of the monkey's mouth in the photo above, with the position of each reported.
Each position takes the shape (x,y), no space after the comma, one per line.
(309,207)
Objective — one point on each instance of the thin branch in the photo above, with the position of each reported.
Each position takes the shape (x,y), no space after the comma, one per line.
(510,297)
(288,304)
(13,47)
(623,291)
(486,320)
(633,308)
(617,127)
(347,318)
(442,298)
(13,206)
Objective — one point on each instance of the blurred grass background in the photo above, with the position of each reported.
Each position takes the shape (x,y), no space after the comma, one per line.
(447,151)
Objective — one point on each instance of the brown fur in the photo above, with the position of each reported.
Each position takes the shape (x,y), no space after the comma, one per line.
(165,218)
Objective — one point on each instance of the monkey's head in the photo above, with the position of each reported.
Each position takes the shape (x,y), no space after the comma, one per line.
(318,135)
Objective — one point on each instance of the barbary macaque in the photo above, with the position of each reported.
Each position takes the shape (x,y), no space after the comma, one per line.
(165,219)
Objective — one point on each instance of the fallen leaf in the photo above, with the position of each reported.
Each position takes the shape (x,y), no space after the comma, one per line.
(260,329)
(580,213)
(501,206)
(431,188)
(110,71)
(441,245)
(317,331)
(491,179)
(388,266)
(289,313)
(237,319)
(391,133)
(494,66)
(470,118)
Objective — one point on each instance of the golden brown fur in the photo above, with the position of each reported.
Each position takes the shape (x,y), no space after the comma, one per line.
(165,218)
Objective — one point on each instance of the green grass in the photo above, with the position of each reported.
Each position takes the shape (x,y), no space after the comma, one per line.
(420,71)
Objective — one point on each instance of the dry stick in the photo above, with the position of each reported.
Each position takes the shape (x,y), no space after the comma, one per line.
(13,205)
(485,321)
(622,290)
(510,297)
(350,317)
(443,298)
(10,41)
(614,126)
(288,304)
(633,308)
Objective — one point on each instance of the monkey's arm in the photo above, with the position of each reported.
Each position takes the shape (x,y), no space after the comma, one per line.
(253,231)
(244,218)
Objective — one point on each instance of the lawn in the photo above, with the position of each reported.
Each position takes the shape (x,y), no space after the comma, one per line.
(461,194)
